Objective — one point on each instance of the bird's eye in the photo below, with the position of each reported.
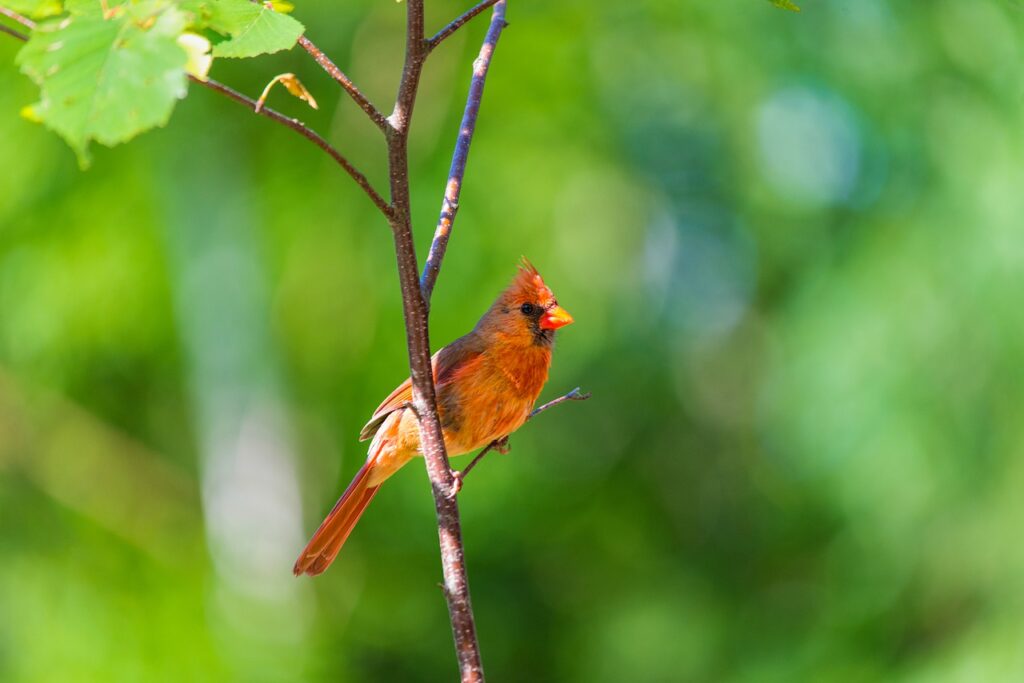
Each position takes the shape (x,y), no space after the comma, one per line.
(527,309)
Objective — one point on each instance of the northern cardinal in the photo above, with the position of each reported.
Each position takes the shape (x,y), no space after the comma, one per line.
(487,382)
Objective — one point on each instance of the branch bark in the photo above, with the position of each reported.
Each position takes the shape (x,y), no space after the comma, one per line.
(456,583)
(453,188)
(344,81)
(457,23)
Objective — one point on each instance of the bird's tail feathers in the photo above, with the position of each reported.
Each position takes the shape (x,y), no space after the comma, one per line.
(325,544)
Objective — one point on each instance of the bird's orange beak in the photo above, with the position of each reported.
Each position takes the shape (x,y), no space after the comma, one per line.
(554,318)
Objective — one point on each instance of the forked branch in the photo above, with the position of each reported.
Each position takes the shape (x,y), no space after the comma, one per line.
(416,291)
(458,23)
(292,123)
(456,584)
(344,81)
(305,132)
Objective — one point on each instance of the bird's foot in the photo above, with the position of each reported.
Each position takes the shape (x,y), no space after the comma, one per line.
(502,445)
(456,483)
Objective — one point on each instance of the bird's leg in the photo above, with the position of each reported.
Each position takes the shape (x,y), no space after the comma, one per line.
(501,445)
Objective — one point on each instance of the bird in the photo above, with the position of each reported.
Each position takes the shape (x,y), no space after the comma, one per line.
(486,382)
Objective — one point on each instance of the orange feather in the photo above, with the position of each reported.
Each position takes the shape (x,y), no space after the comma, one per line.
(487,382)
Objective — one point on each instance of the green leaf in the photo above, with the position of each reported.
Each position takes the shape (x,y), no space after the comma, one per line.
(253,28)
(107,79)
(82,7)
(785,4)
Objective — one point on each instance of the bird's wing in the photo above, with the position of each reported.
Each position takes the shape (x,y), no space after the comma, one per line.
(447,364)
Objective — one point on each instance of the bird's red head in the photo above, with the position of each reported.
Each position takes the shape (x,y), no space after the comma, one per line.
(529,288)
(527,309)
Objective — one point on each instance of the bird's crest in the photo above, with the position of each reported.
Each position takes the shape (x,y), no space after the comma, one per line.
(529,285)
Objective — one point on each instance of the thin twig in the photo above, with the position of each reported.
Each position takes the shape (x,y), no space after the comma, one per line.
(272,114)
(304,131)
(574,395)
(345,82)
(453,188)
(501,445)
(11,32)
(457,23)
(24,21)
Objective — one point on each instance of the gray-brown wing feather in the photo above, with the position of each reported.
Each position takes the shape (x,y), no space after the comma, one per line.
(445,362)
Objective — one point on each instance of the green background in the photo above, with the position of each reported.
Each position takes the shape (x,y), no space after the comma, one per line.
(792,245)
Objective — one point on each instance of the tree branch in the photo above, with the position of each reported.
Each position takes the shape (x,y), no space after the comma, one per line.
(453,563)
(408,86)
(304,131)
(345,82)
(457,23)
(453,188)
(414,303)
(501,445)
(272,114)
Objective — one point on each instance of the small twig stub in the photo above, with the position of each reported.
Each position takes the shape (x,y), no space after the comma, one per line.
(574,395)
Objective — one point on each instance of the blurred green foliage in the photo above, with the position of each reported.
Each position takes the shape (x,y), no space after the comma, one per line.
(792,244)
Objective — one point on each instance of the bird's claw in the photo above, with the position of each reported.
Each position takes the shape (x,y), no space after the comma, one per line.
(502,445)
(456,483)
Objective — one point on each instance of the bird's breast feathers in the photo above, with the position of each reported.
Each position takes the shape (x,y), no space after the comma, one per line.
(491,398)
